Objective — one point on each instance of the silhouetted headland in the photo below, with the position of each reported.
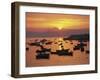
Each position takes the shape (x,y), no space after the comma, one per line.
(80,37)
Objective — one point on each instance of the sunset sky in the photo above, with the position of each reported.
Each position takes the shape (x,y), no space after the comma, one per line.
(53,23)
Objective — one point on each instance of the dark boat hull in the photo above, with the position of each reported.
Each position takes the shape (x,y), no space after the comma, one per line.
(42,56)
(64,53)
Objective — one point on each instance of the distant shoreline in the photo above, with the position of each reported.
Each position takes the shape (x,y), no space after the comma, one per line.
(71,37)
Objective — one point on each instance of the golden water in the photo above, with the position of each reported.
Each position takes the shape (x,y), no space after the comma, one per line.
(78,57)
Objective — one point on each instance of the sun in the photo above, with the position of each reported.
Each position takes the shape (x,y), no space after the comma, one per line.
(60,28)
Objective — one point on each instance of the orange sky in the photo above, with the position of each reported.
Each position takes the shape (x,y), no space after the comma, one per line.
(58,21)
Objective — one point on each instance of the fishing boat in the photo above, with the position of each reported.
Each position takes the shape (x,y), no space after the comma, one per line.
(43,54)
(64,52)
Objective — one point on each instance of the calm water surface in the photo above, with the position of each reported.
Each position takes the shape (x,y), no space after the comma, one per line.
(77,58)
